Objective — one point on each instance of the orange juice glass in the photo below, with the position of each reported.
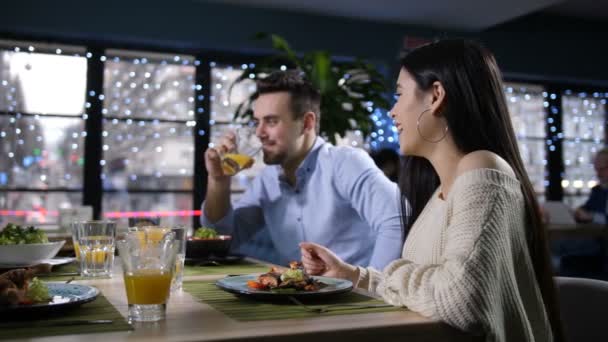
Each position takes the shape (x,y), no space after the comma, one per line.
(242,157)
(148,267)
(155,234)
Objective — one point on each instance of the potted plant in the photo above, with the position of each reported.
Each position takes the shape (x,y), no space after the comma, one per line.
(350,90)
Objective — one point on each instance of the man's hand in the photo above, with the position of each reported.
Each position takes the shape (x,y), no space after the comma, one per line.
(213,160)
(582,215)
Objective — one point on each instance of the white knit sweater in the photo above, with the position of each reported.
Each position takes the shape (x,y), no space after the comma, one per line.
(466,262)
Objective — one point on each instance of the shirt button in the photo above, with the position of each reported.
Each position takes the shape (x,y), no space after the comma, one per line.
(299,219)
(297,191)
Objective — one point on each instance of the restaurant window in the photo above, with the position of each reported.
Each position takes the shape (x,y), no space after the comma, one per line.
(148,142)
(583,126)
(223,103)
(42,116)
(527,107)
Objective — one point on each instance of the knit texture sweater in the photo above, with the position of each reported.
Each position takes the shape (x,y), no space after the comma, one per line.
(466,262)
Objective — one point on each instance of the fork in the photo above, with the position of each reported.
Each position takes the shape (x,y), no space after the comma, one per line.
(335,307)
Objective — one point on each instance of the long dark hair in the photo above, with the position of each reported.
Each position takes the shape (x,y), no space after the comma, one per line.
(475,102)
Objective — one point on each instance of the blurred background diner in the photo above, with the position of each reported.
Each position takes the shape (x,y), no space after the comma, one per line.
(106,108)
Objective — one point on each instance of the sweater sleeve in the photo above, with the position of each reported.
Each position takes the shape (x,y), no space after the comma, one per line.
(464,285)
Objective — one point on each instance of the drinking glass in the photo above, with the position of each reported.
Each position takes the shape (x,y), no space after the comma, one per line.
(155,234)
(148,267)
(94,247)
(241,158)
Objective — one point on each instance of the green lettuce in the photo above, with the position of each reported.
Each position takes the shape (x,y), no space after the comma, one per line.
(37,291)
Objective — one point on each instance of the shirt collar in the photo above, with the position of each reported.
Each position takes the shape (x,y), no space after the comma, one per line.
(309,162)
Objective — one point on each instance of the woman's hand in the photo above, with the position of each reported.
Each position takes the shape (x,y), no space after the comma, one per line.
(318,260)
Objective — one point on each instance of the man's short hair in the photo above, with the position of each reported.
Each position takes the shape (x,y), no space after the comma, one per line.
(304,96)
(603,152)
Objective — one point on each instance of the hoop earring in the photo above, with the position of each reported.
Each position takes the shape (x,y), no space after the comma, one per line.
(445,132)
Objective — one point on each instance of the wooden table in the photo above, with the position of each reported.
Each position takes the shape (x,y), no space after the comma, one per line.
(189,320)
(577,230)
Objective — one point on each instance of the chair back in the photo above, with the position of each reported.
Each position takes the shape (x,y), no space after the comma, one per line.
(584,308)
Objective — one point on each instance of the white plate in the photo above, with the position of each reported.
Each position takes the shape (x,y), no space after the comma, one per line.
(29,254)
(52,262)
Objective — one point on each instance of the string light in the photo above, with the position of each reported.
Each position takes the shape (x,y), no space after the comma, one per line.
(139,88)
(583,117)
(527,106)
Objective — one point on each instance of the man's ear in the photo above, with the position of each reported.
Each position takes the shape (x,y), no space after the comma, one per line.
(310,121)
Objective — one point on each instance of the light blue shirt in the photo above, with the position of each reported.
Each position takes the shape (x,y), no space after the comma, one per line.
(341,200)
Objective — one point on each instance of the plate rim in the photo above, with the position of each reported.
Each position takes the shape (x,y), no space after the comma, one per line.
(20,309)
(234,256)
(44,261)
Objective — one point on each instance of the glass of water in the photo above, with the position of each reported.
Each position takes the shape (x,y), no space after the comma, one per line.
(178,274)
(94,246)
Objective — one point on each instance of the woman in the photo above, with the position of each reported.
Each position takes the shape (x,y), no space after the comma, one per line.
(476,255)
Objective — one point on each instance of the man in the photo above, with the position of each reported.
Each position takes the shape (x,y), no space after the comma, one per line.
(594,210)
(310,190)
(583,257)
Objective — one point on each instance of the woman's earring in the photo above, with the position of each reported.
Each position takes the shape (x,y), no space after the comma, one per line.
(445,132)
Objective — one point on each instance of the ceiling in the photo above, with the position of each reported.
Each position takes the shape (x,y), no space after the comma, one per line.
(582,9)
(465,15)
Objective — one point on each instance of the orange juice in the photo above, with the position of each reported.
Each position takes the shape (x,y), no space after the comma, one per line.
(77,250)
(95,255)
(232,163)
(155,235)
(148,287)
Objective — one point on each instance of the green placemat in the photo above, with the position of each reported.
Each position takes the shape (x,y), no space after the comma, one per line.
(246,309)
(100,308)
(63,272)
(242,267)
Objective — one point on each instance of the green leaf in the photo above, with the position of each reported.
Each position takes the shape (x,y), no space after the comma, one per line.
(280,44)
(365,84)
(321,75)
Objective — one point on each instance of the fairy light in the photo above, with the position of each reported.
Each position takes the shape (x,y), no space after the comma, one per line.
(528,108)
(584,115)
(130,82)
(42,148)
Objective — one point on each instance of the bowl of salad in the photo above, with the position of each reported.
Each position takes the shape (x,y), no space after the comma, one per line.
(206,242)
(25,246)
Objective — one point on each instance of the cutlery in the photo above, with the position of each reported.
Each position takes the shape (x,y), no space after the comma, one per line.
(29,324)
(336,307)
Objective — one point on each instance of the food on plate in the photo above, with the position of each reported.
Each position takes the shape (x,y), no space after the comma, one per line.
(205,233)
(13,234)
(19,286)
(293,278)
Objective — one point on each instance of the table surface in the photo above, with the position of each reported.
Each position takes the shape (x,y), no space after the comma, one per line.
(190,320)
(577,230)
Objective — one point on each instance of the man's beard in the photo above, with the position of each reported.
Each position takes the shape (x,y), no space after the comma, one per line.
(273,159)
